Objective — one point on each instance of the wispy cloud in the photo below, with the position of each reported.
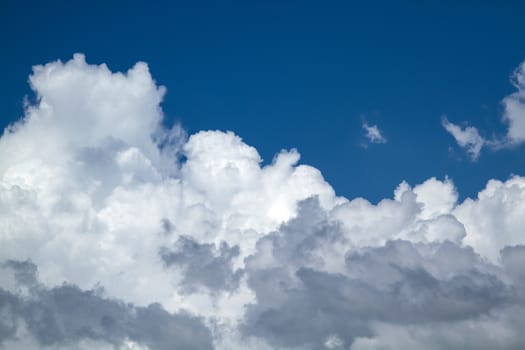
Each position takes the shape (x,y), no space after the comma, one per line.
(467,137)
(373,134)
(472,142)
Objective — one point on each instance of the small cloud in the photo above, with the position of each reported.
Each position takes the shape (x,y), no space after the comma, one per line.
(467,138)
(513,116)
(373,134)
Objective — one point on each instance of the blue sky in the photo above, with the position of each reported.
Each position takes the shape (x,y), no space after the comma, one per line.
(301,74)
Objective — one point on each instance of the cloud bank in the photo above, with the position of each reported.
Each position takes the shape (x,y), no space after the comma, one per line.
(117,232)
(469,138)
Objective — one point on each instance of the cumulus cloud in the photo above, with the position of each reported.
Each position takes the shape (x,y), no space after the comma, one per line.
(204,265)
(64,316)
(469,138)
(373,134)
(302,300)
(119,232)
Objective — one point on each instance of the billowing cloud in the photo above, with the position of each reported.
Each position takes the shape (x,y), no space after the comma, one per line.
(469,138)
(204,265)
(117,232)
(304,299)
(64,316)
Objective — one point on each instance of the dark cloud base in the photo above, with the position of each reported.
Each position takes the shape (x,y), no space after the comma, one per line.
(400,283)
(298,303)
(65,315)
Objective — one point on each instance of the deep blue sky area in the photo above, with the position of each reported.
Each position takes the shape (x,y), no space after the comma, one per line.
(301,74)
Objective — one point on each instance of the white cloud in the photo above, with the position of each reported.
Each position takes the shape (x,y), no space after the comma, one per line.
(373,134)
(467,137)
(514,116)
(94,194)
(494,219)
(514,105)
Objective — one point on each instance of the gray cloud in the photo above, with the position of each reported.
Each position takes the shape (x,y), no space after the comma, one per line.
(401,283)
(203,264)
(65,315)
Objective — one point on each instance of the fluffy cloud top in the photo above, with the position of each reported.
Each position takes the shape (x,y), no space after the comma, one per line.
(117,232)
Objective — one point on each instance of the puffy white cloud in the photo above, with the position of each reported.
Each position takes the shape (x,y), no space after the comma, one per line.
(190,240)
(495,218)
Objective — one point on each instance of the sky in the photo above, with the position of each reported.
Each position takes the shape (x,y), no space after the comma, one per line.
(287,74)
(262,175)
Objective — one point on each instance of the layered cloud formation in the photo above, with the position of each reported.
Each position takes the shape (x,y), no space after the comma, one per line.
(119,233)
